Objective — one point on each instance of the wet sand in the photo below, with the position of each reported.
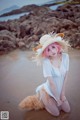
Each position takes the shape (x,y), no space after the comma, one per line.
(19,78)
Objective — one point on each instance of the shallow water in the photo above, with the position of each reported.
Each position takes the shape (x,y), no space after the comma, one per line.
(28,2)
(12,17)
(19,77)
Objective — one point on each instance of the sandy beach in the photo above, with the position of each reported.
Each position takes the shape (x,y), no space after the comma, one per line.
(19,77)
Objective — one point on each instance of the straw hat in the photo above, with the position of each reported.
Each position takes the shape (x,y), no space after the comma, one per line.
(48,39)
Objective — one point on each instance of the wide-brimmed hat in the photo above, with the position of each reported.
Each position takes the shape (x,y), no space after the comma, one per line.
(48,39)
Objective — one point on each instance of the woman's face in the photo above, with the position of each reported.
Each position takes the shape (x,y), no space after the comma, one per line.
(52,50)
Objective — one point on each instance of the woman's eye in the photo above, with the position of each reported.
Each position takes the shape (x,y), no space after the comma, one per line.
(48,49)
(53,47)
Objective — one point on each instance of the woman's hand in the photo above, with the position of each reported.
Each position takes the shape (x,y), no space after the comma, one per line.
(59,103)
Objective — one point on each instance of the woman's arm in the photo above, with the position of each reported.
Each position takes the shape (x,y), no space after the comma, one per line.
(54,90)
(62,96)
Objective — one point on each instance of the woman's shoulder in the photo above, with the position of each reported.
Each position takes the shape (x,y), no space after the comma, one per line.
(46,61)
(65,55)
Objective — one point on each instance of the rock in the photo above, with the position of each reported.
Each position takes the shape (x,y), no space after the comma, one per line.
(2,27)
(38,31)
(31,39)
(68,24)
(78,21)
(21,44)
(22,31)
(6,45)
(79,29)
(7,35)
(25,32)
(76,37)
(30,46)
(7,41)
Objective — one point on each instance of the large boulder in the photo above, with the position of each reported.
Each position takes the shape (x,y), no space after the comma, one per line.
(2,27)
(7,41)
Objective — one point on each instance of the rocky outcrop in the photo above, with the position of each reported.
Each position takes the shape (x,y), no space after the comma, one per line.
(28,8)
(7,41)
(25,32)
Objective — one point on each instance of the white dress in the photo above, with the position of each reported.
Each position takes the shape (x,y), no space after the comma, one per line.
(57,74)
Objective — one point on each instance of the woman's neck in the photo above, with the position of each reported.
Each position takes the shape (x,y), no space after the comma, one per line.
(56,61)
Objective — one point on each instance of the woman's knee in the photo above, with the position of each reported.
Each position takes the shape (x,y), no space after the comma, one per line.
(54,112)
(66,107)
(52,108)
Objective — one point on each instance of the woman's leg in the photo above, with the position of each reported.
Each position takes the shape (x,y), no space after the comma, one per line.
(65,106)
(49,103)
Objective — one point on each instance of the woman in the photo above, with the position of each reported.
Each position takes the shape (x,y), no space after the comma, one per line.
(52,50)
(55,69)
